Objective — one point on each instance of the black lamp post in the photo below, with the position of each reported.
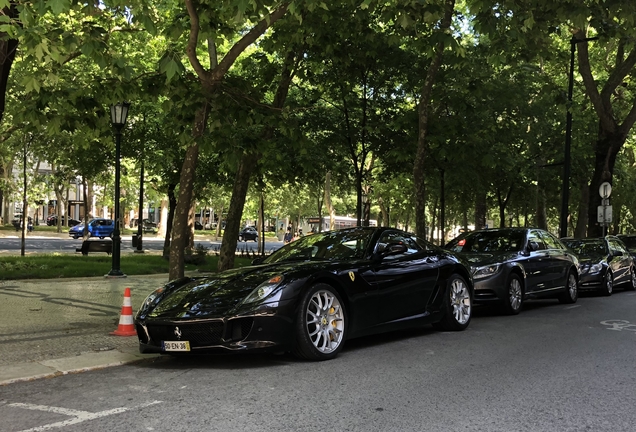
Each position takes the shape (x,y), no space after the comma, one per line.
(118,115)
(565,189)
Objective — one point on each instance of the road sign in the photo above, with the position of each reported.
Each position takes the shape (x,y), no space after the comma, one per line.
(604,214)
(605,190)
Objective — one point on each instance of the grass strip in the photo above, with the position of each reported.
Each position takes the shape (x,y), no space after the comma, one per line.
(53,266)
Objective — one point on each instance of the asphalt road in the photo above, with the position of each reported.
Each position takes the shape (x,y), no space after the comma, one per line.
(42,244)
(552,368)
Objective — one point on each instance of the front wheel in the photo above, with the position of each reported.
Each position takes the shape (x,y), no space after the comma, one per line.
(514,296)
(631,285)
(320,324)
(457,307)
(571,293)
(608,284)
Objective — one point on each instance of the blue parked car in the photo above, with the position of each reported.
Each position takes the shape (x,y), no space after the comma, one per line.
(96,228)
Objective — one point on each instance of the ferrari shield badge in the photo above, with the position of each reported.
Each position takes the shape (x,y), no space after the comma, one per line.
(352,276)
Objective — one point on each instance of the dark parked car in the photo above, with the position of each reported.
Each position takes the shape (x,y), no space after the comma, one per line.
(96,228)
(52,221)
(605,263)
(148,225)
(510,265)
(310,296)
(248,233)
(630,242)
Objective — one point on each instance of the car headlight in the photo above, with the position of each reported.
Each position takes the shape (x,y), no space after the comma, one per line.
(264,290)
(152,299)
(594,268)
(485,271)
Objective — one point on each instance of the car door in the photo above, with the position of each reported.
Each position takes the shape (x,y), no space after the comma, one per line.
(620,261)
(403,282)
(558,263)
(535,263)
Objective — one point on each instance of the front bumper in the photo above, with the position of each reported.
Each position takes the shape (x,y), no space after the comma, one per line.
(591,281)
(267,330)
(492,289)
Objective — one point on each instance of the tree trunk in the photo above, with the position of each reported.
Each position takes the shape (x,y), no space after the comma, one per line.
(218,225)
(442,209)
(8,49)
(419,164)
(191,219)
(85,200)
(606,150)
(179,239)
(502,206)
(328,203)
(235,212)
(480,210)
(581,221)
(172,206)
(259,224)
(433,217)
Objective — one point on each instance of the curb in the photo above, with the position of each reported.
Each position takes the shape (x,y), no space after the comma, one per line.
(83,362)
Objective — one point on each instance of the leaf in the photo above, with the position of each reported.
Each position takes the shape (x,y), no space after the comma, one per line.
(59,6)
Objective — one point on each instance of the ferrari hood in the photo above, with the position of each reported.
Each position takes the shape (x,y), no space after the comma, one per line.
(216,296)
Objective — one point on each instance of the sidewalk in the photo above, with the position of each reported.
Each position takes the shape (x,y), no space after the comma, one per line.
(53,327)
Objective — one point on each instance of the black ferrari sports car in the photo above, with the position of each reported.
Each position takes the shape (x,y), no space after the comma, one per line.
(310,296)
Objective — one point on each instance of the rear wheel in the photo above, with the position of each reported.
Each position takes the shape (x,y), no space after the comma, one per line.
(320,324)
(631,285)
(608,284)
(571,293)
(457,305)
(514,297)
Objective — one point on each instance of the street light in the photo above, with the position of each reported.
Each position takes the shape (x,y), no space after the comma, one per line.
(565,189)
(118,115)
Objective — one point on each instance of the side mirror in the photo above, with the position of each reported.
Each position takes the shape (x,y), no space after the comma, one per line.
(533,246)
(394,249)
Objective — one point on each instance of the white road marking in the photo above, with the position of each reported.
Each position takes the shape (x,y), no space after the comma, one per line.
(619,325)
(572,307)
(79,416)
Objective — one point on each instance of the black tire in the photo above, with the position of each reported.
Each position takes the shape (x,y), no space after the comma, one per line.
(457,313)
(513,302)
(608,284)
(631,285)
(571,293)
(321,320)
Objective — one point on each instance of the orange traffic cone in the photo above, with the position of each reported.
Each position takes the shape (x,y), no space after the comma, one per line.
(126,325)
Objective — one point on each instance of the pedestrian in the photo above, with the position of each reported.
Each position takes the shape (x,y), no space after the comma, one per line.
(300,232)
(288,236)
(29,224)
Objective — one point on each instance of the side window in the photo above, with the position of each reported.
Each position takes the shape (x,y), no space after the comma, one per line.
(550,241)
(534,236)
(393,237)
(616,246)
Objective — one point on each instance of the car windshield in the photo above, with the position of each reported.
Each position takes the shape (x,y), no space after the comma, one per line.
(488,241)
(587,247)
(630,242)
(328,245)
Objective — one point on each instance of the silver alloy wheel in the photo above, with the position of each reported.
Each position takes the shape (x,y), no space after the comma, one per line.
(514,291)
(325,321)
(633,279)
(609,283)
(460,300)
(572,287)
